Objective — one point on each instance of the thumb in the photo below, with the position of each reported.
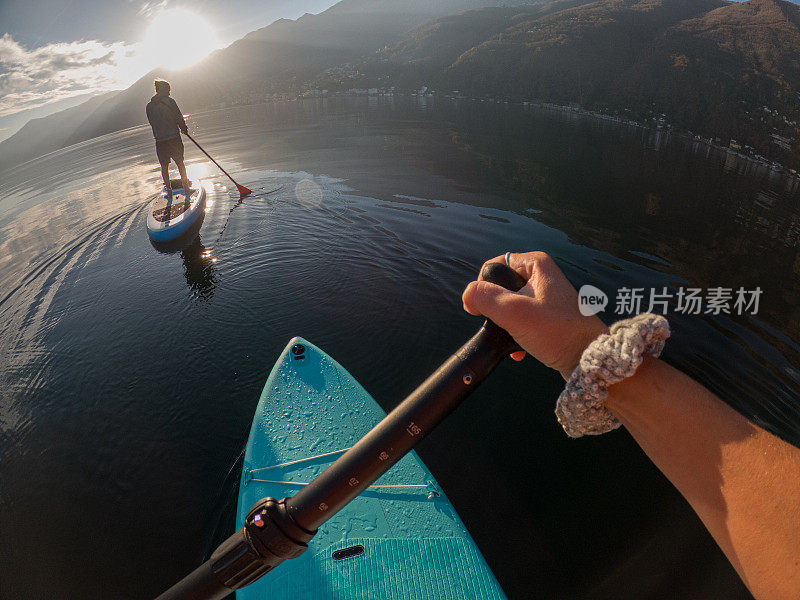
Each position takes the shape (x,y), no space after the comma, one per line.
(487,299)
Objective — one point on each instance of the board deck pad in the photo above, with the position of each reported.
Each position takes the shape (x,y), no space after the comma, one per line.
(165,209)
(413,544)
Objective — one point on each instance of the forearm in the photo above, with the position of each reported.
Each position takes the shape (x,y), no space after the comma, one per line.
(743,482)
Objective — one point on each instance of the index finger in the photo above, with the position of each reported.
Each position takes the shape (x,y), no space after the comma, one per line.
(529,264)
(524,263)
(497,259)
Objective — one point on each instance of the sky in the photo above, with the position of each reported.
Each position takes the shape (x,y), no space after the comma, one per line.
(54,51)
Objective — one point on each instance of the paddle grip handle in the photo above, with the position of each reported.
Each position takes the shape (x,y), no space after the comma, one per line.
(506,277)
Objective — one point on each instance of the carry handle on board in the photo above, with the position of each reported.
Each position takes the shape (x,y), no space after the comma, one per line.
(276,530)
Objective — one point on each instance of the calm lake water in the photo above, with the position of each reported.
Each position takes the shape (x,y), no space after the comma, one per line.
(130,374)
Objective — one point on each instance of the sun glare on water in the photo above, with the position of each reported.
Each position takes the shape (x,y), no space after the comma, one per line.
(178,38)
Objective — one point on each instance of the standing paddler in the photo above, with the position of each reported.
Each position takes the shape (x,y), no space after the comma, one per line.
(167,122)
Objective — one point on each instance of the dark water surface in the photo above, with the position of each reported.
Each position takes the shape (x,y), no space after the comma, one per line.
(129,375)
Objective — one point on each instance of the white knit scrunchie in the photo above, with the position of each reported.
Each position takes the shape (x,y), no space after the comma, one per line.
(607,360)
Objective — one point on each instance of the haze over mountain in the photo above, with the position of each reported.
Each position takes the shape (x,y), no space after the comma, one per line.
(50,133)
(709,65)
(271,58)
(10,124)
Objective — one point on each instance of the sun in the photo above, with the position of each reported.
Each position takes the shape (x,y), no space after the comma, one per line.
(178,38)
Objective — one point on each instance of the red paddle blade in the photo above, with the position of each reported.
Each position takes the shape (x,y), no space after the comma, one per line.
(243,190)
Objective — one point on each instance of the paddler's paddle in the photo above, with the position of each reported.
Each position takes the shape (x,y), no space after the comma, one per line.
(276,530)
(242,190)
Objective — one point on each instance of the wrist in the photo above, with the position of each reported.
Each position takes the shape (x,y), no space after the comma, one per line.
(585,335)
(608,360)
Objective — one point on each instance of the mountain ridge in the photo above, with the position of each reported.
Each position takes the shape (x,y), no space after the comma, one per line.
(711,66)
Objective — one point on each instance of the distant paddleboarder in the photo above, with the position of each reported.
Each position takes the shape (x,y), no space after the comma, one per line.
(167,122)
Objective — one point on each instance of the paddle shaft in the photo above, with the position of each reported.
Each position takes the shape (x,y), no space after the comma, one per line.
(274,531)
(239,187)
(401,430)
(410,421)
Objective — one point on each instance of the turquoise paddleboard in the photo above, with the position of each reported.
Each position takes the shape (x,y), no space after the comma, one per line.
(400,539)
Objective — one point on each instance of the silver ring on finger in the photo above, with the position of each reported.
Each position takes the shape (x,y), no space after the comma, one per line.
(506,258)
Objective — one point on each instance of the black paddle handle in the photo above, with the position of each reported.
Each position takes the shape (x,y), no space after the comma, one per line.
(508,278)
(504,276)
(278,530)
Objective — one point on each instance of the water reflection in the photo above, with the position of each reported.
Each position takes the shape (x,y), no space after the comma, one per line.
(198,268)
(612,193)
(198,263)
